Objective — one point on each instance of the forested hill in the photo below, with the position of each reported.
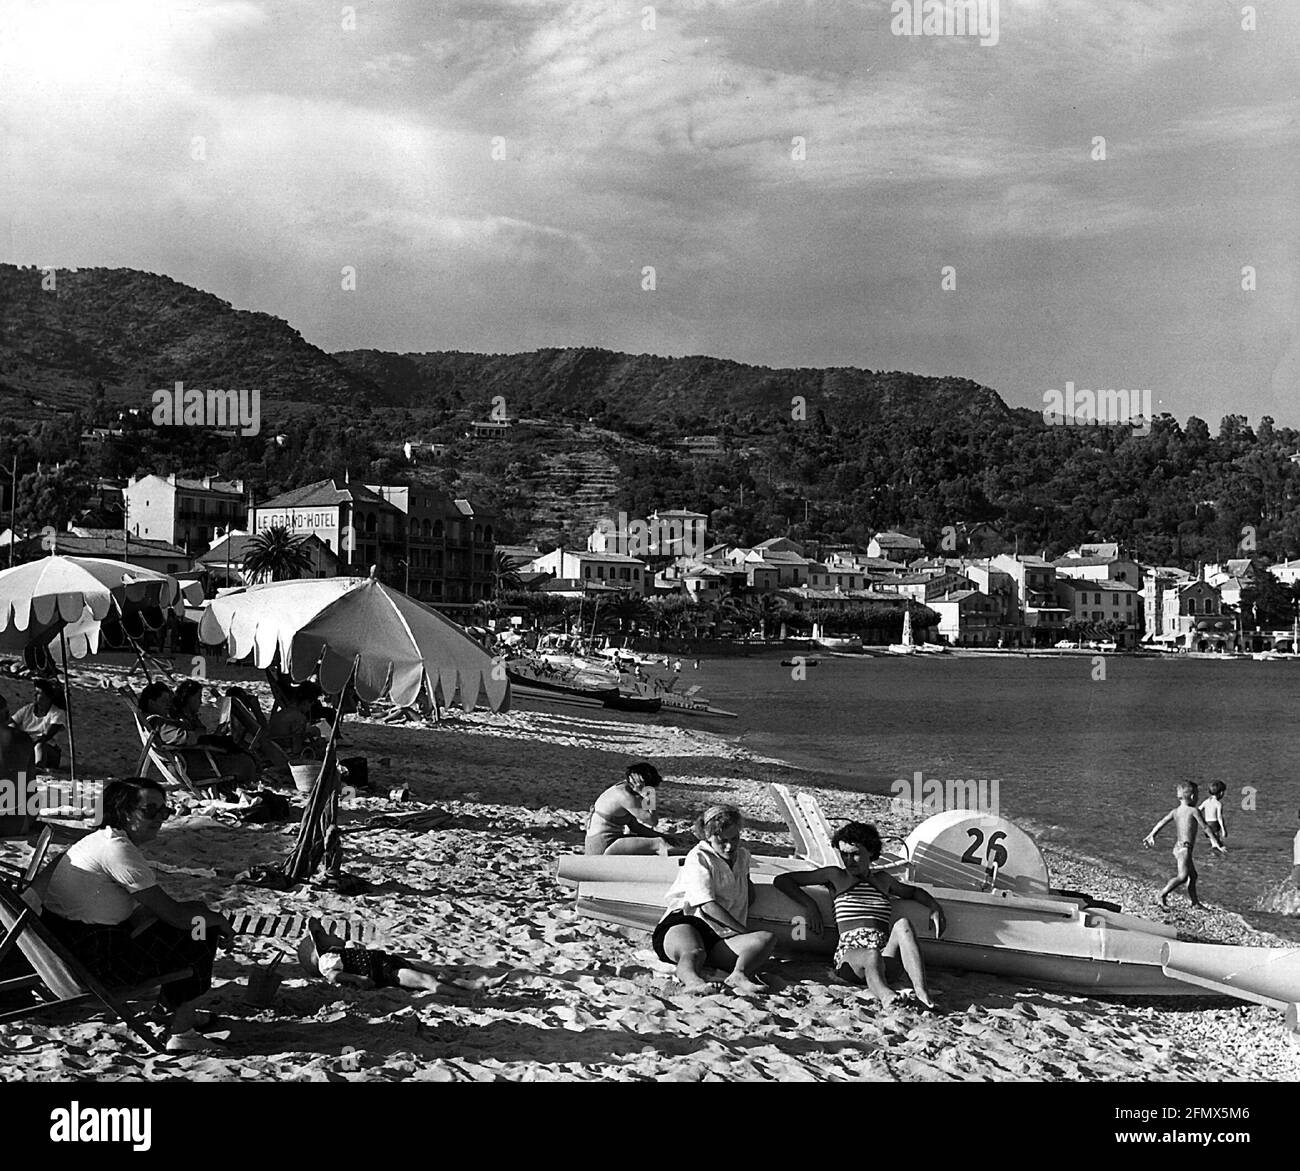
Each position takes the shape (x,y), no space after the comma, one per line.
(688,394)
(867,451)
(131,332)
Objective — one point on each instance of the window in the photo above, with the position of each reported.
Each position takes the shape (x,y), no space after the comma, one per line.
(1114,599)
(586,571)
(1128,599)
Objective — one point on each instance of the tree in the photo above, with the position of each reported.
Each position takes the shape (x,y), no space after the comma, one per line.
(275,554)
(505,577)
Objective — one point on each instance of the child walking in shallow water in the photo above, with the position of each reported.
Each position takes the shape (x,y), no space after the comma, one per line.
(1186,817)
(1212,810)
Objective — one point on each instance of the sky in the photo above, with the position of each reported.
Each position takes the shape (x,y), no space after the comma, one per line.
(500,174)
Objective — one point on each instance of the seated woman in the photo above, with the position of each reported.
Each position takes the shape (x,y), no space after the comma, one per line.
(622,817)
(184,733)
(43,719)
(869,932)
(708,906)
(104,902)
(336,962)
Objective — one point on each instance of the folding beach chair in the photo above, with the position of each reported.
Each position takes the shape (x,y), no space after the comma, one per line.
(58,979)
(21,877)
(170,763)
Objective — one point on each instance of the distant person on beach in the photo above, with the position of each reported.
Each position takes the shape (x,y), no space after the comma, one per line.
(104,902)
(1186,818)
(869,932)
(708,910)
(1212,810)
(622,819)
(43,719)
(334,961)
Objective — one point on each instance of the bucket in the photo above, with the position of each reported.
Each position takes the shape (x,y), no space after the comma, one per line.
(263,983)
(304,776)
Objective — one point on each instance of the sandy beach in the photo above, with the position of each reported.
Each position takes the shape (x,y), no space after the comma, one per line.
(590,1001)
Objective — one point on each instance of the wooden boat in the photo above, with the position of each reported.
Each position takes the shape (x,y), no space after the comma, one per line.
(567,680)
(799,662)
(624,702)
(1003,917)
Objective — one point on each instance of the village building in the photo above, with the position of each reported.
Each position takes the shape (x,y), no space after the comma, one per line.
(180,511)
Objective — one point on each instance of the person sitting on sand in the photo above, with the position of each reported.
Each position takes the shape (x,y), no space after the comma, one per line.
(708,910)
(1212,810)
(869,931)
(325,955)
(104,902)
(157,705)
(43,719)
(1186,817)
(621,820)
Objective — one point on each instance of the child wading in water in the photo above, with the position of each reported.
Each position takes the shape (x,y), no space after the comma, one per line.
(1186,817)
(1212,811)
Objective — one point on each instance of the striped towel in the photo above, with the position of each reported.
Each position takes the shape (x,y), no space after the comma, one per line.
(291,927)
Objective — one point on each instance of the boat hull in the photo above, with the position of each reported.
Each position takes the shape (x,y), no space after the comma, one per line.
(1055,942)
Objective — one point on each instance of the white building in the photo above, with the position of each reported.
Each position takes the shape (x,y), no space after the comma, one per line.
(665,533)
(606,569)
(189,513)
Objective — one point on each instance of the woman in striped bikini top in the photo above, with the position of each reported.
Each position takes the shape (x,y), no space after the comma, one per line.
(863,905)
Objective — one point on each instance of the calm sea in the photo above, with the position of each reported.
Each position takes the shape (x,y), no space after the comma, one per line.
(1089,763)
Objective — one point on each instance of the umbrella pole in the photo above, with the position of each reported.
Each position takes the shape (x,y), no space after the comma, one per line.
(67,700)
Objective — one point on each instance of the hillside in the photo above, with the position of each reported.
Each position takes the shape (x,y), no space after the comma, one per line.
(874,450)
(684,393)
(133,332)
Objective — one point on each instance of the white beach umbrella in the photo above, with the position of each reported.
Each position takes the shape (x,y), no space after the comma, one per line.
(60,601)
(322,627)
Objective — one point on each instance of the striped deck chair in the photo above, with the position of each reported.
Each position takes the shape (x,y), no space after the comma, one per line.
(58,979)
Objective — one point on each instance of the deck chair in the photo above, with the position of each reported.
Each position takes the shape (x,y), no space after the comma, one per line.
(170,764)
(58,978)
(21,877)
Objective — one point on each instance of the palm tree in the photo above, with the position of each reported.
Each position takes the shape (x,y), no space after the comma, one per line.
(505,576)
(275,554)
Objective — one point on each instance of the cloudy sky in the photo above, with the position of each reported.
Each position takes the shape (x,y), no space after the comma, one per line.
(254,149)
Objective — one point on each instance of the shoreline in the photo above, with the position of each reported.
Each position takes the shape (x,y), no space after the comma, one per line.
(590,1001)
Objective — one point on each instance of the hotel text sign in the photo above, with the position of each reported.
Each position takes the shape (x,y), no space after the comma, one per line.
(294,519)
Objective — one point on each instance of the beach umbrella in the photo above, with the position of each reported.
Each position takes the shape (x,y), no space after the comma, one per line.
(329,628)
(60,602)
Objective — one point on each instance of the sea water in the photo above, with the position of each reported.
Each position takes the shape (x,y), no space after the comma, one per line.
(1085,759)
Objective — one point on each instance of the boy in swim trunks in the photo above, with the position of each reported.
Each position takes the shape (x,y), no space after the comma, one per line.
(1212,811)
(1186,817)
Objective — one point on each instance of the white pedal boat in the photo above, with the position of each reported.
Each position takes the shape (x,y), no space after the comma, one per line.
(1003,917)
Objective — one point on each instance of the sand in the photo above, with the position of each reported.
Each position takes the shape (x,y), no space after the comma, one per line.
(590,1001)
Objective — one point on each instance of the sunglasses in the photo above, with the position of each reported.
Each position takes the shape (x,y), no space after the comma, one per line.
(155,812)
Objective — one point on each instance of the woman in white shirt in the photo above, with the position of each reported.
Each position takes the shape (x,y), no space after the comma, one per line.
(104,902)
(708,906)
(42,720)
